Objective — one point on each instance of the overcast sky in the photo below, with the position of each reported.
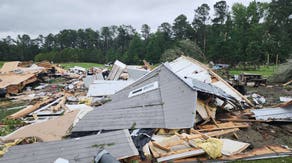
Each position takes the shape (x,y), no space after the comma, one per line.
(36,17)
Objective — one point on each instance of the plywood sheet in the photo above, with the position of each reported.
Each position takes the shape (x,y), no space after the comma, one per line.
(50,130)
(9,66)
(14,79)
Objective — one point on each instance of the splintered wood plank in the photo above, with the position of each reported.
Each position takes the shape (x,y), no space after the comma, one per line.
(167,149)
(200,108)
(29,109)
(153,150)
(222,126)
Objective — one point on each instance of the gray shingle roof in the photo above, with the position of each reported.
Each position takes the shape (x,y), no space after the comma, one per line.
(118,143)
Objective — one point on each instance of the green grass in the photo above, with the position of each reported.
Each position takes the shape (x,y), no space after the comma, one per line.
(1,63)
(5,104)
(266,71)
(80,64)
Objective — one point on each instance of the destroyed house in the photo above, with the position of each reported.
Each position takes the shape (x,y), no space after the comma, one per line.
(159,99)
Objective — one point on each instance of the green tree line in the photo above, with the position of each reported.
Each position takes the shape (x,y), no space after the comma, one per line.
(259,33)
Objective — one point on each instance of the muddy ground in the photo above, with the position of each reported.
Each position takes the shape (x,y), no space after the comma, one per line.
(271,93)
(273,133)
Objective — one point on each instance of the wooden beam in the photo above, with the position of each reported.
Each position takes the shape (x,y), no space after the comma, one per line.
(153,151)
(209,114)
(213,133)
(289,82)
(167,149)
(223,128)
(29,109)
(203,135)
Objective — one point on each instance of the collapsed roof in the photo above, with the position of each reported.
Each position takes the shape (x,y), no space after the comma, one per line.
(188,68)
(82,149)
(157,100)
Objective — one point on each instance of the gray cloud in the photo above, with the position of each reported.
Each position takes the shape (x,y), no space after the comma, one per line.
(50,16)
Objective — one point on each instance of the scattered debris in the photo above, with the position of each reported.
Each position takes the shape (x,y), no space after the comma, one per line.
(181,111)
(14,83)
(29,109)
(54,129)
(258,99)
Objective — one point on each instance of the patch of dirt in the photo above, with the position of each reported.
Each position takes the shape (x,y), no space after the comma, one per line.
(260,134)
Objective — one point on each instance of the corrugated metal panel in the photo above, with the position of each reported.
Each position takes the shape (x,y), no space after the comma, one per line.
(118,143)
(273,113)
(147,110)
(184,68)
(106,87)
